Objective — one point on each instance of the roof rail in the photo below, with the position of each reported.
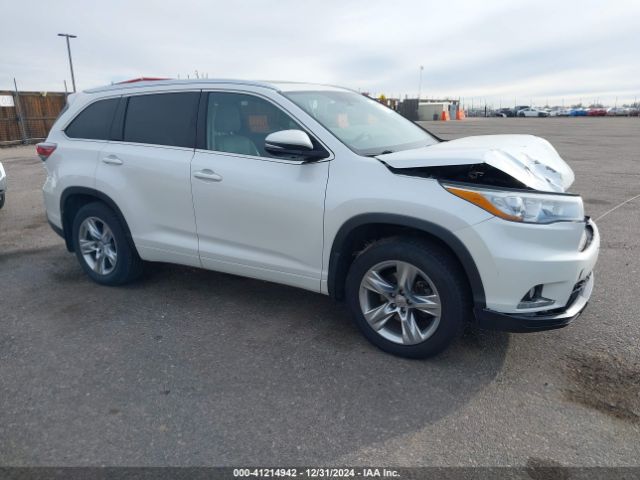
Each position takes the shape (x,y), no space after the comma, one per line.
(141,79)
(141,82)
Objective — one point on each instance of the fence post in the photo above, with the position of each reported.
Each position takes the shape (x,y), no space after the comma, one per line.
(19,114)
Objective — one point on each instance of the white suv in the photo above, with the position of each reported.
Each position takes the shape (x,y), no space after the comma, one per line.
(324,189)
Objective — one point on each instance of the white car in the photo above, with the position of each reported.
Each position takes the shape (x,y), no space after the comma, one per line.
(618,111)
(3,185)
(532,112)
(559,112)
(324,189)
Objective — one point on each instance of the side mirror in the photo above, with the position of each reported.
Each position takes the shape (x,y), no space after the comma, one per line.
(292,144)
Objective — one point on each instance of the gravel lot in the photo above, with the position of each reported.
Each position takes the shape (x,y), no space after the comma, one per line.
(189,367)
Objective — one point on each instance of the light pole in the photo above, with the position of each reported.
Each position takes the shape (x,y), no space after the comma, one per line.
(68,36)
(420,84)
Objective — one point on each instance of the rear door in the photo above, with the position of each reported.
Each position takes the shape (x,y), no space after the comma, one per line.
(257,215)
(146,171)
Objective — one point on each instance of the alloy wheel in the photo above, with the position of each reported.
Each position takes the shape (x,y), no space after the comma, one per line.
(400,302)
(98,245)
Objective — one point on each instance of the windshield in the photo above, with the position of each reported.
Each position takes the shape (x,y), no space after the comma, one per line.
(364,125)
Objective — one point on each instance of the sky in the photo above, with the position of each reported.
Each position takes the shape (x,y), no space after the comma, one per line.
(497,51)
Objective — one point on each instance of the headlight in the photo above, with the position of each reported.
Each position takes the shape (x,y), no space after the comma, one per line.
(519,206)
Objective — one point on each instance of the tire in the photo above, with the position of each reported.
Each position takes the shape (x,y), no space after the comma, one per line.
(436,328)
(98,230)
(2,200)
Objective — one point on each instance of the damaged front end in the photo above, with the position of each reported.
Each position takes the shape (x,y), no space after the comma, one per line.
(478,173)
(502,161)
(520,178)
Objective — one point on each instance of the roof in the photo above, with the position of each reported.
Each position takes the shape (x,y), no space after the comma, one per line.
(204,82)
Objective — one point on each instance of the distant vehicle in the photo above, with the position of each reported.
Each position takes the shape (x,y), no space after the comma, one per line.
(532,112)
(618,111)
(3,185)
(597,112)
(578,112)
(504,112)
(559,112)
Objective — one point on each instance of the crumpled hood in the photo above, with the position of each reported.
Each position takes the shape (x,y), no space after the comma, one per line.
(529,159)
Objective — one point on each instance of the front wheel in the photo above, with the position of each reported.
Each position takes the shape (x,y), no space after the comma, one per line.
(102,247)
(408,297)
(2,200)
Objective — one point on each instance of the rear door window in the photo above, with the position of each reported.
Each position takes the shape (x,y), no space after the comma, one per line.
(94,122)
(162,119)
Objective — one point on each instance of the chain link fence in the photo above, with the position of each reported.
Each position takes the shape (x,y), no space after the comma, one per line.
(27,117)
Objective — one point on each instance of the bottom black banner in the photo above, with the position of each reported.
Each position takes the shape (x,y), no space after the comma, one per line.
(202,473)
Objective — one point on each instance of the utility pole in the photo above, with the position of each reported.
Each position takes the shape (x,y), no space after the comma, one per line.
(420,84)
(68,36)
(19,114)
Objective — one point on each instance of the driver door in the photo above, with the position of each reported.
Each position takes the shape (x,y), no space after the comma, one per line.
(256,215)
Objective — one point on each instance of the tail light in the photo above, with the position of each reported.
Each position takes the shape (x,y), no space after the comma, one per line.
(45,149)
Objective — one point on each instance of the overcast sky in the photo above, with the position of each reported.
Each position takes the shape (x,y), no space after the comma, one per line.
(502,51)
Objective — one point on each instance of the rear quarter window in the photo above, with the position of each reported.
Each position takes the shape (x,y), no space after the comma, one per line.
(162,119)
(94,122)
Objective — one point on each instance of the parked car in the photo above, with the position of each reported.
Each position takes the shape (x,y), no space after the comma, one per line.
(618,111)
(504,112)
(578,112)
(597,112)
(532,112)
(324,189)
(3,185)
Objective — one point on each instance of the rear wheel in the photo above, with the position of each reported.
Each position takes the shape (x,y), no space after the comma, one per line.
(102,247)
(408,297)
(1,200)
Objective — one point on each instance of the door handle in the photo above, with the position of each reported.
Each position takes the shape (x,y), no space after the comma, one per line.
(112,160)
(208,175)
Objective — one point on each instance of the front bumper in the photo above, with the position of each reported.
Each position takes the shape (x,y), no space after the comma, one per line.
(513,258)
(536,322)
